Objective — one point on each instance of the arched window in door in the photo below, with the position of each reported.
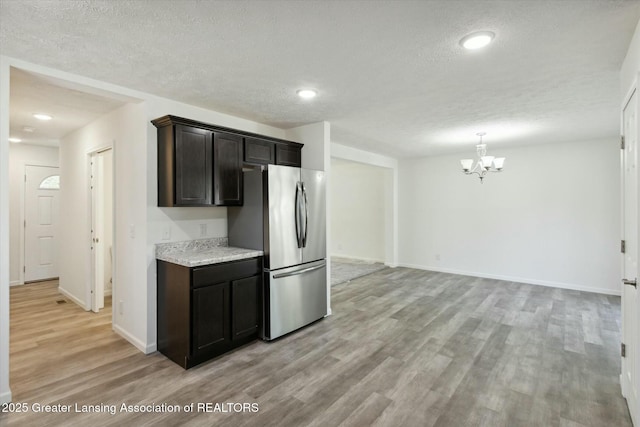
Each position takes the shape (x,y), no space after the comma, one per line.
(50,183)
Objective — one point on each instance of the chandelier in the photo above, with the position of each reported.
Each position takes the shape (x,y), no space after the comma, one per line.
(484,164)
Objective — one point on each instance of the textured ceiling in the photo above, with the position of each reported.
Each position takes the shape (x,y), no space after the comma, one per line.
(71,107)
(390,75)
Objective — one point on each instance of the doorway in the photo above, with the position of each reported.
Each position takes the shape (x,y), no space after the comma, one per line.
(41,207)
(361,219)
(101,184)
(630,359)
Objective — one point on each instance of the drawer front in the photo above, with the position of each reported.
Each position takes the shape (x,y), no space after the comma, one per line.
(217,273)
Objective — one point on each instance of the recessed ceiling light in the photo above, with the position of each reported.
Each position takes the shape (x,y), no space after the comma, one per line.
(477,40)
(42,116)
(14,139)
(307,93)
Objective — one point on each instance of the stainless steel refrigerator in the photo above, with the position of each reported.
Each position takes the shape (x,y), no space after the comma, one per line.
(284,215)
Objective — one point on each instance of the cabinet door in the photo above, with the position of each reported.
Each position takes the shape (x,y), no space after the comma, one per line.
(227,169)
(288,155)
(210,318)
(245,307)
(259,151)
(193,163)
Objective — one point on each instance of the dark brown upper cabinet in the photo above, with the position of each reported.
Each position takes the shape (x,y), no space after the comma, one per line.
(200,164)
(259,151)
(185,164)
(288,155)
(227,169)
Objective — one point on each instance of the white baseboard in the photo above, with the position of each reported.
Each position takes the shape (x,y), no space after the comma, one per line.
(146,349)
(546,283)
(16,283)
(5,397)
(72,297)
(108,292)
(357,258)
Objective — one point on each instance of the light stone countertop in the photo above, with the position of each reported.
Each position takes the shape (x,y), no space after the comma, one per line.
(195,253)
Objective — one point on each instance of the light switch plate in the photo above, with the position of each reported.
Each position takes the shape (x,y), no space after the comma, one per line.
(166,233)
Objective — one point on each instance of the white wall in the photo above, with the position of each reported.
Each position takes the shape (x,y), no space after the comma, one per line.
(122,129)
(551,218)
(21,155)
(358,209)
(631,66)
(316,140)
(390,164)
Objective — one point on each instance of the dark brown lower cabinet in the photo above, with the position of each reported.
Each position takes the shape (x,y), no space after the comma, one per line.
(206,311)
(245,307)
(210,318)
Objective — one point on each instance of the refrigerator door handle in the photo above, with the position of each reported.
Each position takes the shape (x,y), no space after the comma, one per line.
(297,272)
(297,215)
(306,216)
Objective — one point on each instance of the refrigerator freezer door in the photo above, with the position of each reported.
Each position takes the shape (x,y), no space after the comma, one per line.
(315,237)
(282,247)
(297,296)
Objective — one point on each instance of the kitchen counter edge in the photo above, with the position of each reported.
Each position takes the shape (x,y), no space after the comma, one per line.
(208,257)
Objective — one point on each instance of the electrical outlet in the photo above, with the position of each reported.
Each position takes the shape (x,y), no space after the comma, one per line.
(203,230)
(166,233)
(437,257)
(132,231)
(121,307)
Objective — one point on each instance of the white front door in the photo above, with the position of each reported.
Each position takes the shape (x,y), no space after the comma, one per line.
(630,330)
(42,184)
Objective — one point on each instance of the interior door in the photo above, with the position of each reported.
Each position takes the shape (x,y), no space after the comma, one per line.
(42,188)
(97,231)
(315,238)
(630,368)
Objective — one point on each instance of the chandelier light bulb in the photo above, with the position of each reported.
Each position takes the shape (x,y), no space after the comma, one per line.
(486,161)
(467,164)
(484,164)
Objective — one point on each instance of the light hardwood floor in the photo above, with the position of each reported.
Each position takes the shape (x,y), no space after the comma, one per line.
(403,348)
